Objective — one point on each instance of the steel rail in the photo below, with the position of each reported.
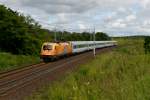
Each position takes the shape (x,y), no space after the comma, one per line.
(18,70)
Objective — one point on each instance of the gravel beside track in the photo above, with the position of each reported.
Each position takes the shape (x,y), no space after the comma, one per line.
(19,83)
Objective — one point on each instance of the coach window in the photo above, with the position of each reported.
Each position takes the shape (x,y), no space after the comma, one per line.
(75,46)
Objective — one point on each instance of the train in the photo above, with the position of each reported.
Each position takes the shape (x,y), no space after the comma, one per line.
(53,50)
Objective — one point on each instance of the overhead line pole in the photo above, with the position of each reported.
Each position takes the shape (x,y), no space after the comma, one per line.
(55,35)
(94,53)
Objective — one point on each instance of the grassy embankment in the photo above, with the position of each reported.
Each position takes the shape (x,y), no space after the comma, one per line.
(9,61)
(123,74)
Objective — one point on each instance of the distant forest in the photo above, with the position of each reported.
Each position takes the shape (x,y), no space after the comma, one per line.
(147,44)
(21,34)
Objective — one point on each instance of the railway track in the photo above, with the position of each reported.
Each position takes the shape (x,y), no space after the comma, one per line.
(13,81)
(7,83)
(18,70)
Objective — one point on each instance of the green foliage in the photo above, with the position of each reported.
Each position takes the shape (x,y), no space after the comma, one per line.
(147,44)
(19,34)
(122,74)
(84,36)
(9,61)
(102,36)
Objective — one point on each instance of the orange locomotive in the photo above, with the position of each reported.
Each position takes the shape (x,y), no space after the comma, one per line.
(53,50)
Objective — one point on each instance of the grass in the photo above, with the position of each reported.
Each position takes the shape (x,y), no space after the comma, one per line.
(9,61)
(123,74)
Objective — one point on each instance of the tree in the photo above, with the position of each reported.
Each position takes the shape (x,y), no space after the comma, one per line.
(147,44)
(20,34)
(101,36)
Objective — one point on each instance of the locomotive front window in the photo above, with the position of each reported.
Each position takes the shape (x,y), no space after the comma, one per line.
(47,47)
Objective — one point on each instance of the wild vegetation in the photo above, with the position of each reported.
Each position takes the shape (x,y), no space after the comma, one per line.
(122,74)
(9,61)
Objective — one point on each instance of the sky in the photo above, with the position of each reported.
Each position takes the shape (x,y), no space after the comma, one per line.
(115,17)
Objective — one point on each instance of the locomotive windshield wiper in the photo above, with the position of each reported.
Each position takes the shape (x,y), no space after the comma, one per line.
(47,47)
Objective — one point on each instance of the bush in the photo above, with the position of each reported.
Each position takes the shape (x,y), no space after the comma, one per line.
(100,36)
(147,44)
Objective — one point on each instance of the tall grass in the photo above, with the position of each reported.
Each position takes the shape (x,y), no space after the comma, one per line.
(9,61)
(123,74)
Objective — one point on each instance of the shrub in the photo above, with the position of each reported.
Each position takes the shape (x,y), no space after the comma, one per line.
(147,44)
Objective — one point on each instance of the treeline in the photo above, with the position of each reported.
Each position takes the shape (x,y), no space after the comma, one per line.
(74,36)
(147,44)
(21,34)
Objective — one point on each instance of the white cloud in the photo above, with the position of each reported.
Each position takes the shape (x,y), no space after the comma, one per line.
(146,23)
(130,18)
(145,3)
(82,26)
(121,9)
(118,23)
(62,17)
